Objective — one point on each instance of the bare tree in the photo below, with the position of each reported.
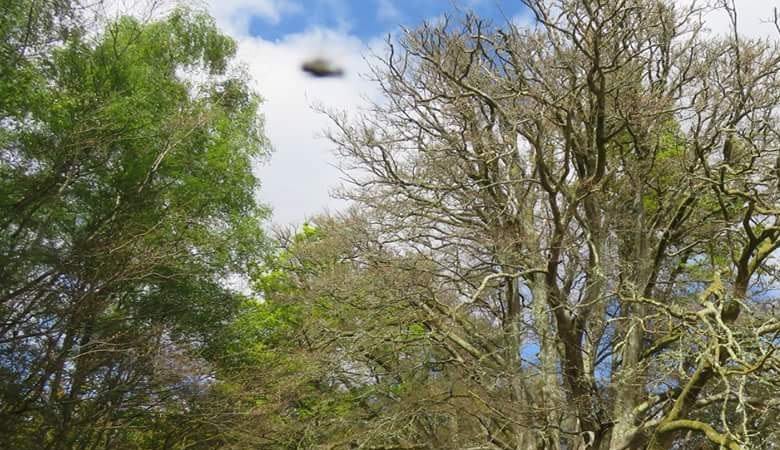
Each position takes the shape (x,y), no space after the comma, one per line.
(598,195)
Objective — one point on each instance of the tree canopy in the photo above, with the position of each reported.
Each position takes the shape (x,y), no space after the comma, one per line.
(127,204)
(561,236)
(595,201)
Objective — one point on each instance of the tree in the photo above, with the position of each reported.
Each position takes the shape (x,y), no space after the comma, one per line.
(598,196)
(127,203)
(372,366)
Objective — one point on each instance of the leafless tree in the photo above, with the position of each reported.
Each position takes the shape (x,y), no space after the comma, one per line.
(596,200)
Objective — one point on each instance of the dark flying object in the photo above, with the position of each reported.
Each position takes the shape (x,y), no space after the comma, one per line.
(321,68)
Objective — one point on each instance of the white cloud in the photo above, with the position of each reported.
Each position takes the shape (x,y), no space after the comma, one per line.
(754,18)
(386,11)
(301,171)
(522,20)
(234,15)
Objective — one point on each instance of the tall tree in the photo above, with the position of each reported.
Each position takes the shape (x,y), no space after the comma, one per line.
(599,195)
(373,366)
(127,204)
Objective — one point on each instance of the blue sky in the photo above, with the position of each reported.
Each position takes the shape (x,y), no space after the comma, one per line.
(366,19)
(275,36)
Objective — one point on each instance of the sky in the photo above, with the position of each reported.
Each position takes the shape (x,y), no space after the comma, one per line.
(275,36)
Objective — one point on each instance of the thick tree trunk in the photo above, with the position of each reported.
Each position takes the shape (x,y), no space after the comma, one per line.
(630,376)
(552,398)
(629,388)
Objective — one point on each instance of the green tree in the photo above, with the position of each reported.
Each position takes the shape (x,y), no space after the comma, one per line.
(363,359)
(127,204)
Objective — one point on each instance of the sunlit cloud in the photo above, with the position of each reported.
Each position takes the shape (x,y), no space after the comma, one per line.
(302,170)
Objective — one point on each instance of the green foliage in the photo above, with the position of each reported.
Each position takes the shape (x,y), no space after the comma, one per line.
(127,200)
(343,344)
